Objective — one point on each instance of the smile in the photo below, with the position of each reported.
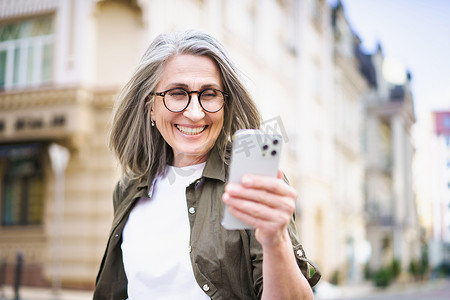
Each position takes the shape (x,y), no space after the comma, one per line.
(190,130)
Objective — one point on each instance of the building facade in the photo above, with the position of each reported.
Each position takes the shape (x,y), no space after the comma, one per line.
(57,89)
(350,87)
(393,227)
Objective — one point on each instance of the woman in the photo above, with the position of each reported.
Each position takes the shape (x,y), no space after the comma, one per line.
(171,132)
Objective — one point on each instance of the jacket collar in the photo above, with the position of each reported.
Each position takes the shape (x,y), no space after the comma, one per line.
(215,168)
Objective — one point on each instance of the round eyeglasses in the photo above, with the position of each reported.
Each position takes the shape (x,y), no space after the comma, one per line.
(178,99)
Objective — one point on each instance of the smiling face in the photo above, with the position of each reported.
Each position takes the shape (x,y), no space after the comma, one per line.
(192,132)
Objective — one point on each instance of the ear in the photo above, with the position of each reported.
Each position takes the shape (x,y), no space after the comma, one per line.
(152,113)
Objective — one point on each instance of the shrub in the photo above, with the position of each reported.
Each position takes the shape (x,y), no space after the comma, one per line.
(395,268)
(382,277)
(335,277)
(367,271)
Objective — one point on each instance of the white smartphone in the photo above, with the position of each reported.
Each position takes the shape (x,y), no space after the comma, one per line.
(253,152)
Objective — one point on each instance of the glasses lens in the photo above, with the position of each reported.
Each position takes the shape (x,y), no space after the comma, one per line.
(176,99)
(211,100)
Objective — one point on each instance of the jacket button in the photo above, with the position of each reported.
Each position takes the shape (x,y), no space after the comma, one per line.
(192,210)
(206,287)
(116,235)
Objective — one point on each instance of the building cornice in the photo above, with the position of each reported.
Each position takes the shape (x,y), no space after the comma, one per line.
(64,114)
(389,109)
(50,97)
(19,8)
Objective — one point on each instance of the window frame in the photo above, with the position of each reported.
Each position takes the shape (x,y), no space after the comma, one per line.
(18,72)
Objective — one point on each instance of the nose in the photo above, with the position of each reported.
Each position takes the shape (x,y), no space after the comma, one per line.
(194,111)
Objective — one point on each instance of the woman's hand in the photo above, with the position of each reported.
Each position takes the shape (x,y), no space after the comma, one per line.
(266,203)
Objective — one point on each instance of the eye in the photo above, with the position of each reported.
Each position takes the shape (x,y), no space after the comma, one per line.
(177,92)
(209,93)
(176,95)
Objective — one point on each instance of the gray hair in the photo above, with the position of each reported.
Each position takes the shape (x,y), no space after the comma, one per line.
(140,148)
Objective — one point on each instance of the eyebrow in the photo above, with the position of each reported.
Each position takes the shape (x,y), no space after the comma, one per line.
(185,86)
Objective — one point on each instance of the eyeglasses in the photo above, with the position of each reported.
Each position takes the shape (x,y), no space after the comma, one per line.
(178,99)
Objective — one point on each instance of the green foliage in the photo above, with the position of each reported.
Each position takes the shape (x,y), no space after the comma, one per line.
(335,277)
(419,268)
(382,277)
(385,275)
(413,267)
(395,268)
(424,262)
(367,271)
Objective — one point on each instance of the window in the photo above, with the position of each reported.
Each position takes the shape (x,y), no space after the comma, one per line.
(26,51)
(22,187)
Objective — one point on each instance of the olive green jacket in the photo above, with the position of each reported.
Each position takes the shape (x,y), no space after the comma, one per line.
(227,264)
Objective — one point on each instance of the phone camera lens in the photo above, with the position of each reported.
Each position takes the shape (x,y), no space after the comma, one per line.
(274,152)
(275,142)
(265,147)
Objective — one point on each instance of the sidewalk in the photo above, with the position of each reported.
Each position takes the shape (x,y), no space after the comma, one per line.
(414,287)
(32,293)
(363,290)
(325,290)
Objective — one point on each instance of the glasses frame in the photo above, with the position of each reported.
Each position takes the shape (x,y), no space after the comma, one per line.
(199,95)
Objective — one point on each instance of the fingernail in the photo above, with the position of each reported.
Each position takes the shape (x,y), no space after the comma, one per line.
(225,197)
(246,180)
(230,187)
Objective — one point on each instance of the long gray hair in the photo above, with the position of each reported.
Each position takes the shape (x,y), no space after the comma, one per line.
(140,148)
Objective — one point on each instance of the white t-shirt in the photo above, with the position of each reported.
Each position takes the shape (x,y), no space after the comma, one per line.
(155,244)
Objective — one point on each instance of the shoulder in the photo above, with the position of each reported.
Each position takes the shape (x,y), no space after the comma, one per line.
(126,188)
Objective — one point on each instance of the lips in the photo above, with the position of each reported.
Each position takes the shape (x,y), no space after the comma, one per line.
(191,130)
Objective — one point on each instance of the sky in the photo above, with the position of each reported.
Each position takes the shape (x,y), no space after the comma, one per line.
(415,33)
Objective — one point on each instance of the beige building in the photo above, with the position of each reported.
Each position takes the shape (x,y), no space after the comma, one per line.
(393,227)
(348,198)
(58,86)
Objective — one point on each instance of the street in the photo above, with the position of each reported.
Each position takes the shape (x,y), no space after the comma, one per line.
(436,290)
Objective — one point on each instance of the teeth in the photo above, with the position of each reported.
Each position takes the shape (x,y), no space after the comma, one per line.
(190,130)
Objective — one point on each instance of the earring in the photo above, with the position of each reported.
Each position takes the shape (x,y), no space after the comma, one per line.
(152,122)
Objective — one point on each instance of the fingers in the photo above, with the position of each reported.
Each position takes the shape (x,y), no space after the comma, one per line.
(276,198)
(261,218)
(256,213)
(269,184)
(261,198)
